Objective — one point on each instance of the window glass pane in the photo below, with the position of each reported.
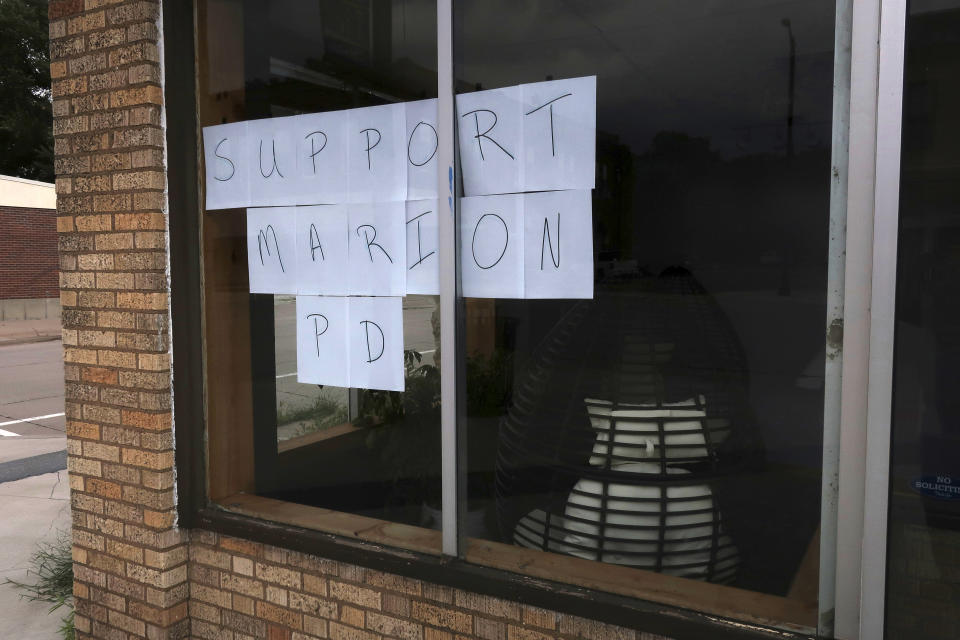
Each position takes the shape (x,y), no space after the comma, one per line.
(672,424)
(370,453)
(923,570)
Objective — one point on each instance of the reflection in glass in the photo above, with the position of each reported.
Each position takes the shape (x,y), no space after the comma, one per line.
(366,452)
(923,569)
(673,423)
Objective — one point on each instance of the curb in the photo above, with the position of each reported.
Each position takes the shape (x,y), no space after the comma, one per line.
(33,466)
(27,339)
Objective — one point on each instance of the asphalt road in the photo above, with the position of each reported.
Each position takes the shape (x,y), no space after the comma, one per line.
(417,335)
(31,400)
(31,381)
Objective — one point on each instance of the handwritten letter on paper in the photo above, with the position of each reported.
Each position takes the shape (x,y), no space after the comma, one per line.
(271,250)
(321,157)
(322,263)
(322,344)
(423,261)
(491,153)
(559,134)
(378,249)
(272,152)
(491,246)
(422,145)
(558,245)
(227,184)
(376,154)
(376,343)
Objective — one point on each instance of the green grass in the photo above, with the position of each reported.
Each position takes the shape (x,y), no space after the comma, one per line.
(52,566)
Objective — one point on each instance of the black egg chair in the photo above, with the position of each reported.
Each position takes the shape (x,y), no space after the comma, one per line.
(628,412)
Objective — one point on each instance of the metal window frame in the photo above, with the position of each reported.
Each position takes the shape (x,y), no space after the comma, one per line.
(893,16)
(862,474)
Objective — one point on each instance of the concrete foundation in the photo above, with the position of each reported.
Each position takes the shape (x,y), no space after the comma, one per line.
(29,308)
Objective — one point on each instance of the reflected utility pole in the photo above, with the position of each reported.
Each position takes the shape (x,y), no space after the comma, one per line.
(793,71)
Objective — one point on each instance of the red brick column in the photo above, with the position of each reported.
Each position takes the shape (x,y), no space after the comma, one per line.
(130,561)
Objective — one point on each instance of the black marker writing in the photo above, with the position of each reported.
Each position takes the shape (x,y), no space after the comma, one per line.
(264,241)
(314,236)
(366,327)
(476,122)
(419,248)
(370,241)
(506,240)
(233,168)
(436,144)
(553,144)
(316,328)
(275,167)
(546,241)
(371,146)
(313,149)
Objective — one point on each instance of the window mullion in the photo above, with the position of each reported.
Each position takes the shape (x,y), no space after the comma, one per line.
(448,275)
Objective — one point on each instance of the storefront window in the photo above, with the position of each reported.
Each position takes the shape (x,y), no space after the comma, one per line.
(652,424)
(672,424)
(370,453)
(923,570)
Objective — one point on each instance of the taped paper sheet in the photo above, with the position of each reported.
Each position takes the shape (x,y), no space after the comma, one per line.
(421,149)
(227,183)
(376,343)
(376,154)
(423,259)
(272,153)
(558,245)
(321,157)
(377,249)
(271,249)
(322,263)
(491,246)
(559,134)
(491,153)
(322,340)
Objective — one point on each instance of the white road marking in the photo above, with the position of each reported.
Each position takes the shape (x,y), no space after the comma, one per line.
(5,424)
(8,433)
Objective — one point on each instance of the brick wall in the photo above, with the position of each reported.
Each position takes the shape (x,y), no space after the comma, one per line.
(130,563)
(28,253)
(136,575)
(240,590)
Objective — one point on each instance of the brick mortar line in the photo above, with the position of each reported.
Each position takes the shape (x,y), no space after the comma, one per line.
(376,588)
(121,483)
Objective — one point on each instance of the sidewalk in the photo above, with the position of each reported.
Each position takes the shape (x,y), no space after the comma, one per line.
(36,507)
(20,331)
(37,510)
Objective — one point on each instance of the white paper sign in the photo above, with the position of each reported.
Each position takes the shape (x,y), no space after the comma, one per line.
(272,153)
(490,126)
(376,154)
(559,134)
(322,263)
(422,145)
(423,259)
(377,249)
(322,340)
(227,184)
(558,245)
(321,157)
(376,343)
(271,250)
(491,246)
